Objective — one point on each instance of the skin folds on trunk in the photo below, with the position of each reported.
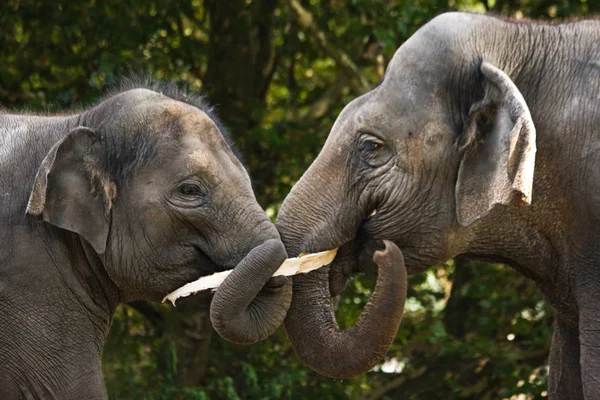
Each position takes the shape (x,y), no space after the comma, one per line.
(244,310)
(316,336)
(310,322)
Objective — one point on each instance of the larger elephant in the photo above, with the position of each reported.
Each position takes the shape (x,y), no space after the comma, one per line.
(482,140)
(126,200)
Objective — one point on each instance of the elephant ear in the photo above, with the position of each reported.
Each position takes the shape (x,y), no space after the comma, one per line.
(70,190)
(498,150)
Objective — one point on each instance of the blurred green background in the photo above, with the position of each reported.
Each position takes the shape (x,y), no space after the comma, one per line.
(279,71)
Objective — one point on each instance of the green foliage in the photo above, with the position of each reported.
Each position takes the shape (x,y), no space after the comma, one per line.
(487,338)
(471,330)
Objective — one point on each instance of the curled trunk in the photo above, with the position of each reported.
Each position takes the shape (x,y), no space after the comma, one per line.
(324,211)
(316,336)
(244,310)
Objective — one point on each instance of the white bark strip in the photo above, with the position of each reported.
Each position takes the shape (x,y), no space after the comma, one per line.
(291,266)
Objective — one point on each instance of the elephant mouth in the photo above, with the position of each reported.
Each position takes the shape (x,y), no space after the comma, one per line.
(191,264)
(206,264)
(195,265)
(354,257)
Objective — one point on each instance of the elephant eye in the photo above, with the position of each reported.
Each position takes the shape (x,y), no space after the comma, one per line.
(190,189)
(370,145)
(373,150)
(189,194)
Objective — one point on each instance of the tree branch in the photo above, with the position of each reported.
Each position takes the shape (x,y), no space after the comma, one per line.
(330,97)
(305,21)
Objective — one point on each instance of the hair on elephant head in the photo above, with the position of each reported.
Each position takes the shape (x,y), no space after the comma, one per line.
(137,195)
(428,152)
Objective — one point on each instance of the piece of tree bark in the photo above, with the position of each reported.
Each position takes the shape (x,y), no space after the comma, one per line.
(291,266)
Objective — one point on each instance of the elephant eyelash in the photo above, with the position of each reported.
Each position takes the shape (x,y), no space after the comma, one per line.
(366,135)
(189,194)
(374,146)
(367,140)
(191,189)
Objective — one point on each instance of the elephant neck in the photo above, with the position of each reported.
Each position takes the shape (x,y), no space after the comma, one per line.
(57,307)
(507,235)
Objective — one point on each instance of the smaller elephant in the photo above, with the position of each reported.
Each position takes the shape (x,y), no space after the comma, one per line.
(126,200)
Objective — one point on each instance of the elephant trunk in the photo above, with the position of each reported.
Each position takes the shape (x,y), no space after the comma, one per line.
(244,310)
(316,336)
(317,215)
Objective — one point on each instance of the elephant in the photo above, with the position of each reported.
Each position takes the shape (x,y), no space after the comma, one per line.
(482,140)
(128,199)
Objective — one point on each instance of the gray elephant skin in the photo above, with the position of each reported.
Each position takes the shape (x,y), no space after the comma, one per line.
(482,140)
(126,200)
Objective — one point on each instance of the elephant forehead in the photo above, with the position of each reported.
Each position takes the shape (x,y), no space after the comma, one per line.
(388,112)
(198,134)
(192,121)
(380,109)
(212,159)
(200,155)
(202,145)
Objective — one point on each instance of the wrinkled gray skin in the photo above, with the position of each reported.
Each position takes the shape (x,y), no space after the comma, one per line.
(483,140)
(128,200)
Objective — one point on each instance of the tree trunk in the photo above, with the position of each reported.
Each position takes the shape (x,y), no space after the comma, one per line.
(188,326)
(241,61)
(458,306)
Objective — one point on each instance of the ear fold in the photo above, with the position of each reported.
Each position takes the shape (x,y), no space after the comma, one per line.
(71,192)
(498,164)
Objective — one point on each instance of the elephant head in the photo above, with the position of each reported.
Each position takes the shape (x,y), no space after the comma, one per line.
(420,160)
(154,189)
